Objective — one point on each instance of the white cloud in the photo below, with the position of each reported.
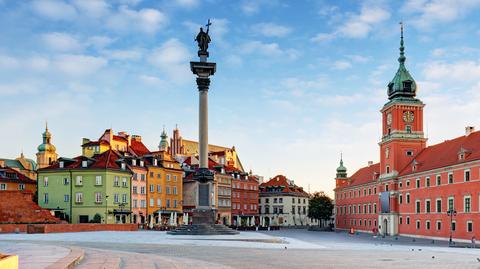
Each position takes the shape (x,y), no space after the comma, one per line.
(146,20)
(8,62)
(250,7)
(269,49)
(79,65)
(233,60)
(172,57)
(54,9)
(61,42)
(341,65)
(99,42)
(359,26)
(18,88)
(430,12)
(128,54)
(38,63)
(92,8)
(217,31)
(271,29)
(358,58)
(461,71)
(323,37)
(152,80)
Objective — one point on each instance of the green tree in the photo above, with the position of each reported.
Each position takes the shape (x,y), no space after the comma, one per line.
(96,219)
(320,207)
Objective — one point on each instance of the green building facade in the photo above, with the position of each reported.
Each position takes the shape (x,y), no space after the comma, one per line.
(83,190)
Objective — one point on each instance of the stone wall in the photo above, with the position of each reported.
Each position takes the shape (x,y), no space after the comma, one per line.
(84,227)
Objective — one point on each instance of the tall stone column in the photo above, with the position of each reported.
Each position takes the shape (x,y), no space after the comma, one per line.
(203,84)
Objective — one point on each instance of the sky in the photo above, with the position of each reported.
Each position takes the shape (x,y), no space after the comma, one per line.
(297,82)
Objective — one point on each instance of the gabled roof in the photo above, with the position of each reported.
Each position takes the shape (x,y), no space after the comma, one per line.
(446,154)
(364,175)
(281,182)
(139,148)
(18,178)
(105,160)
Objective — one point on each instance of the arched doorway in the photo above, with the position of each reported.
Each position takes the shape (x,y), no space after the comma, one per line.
(385,227)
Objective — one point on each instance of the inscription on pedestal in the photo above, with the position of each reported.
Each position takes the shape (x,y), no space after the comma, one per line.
(203,195)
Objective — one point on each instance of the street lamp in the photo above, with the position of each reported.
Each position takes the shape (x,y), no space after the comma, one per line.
(106,208)
(451,213)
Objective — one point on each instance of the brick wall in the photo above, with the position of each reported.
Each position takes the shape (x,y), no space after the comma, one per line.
(12,228)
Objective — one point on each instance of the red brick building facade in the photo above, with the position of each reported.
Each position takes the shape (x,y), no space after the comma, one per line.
(414,189)
(244,198)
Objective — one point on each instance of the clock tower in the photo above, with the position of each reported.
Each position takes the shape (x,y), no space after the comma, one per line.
(402,122)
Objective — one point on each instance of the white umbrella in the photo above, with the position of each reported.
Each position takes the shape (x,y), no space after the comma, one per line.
(253,221)
(175,219)
(186,219)
(248,221)
(170,219)
(238,221)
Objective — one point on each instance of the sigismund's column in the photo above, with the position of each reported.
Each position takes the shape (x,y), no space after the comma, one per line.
(204,213)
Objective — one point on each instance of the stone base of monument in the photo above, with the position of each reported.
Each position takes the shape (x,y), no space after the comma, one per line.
(203,224)
(203,229)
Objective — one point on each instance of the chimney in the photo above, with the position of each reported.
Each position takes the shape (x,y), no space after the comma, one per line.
(469,130)
(370,163)
(85,140)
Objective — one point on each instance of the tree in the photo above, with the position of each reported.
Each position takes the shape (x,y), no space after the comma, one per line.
(96,219)
(320,207)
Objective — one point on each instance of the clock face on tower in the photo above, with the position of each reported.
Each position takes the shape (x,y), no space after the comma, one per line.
(408,116)
(389,119)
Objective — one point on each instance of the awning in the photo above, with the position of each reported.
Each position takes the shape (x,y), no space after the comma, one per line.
(163,212)
(121,212)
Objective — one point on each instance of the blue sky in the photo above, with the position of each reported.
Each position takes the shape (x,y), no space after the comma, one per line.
(297,82)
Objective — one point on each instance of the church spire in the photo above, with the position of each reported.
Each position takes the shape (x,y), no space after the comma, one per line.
(402,57)
(163,146)
(341,170)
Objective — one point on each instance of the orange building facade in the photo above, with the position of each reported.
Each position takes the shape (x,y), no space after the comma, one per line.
(415,189)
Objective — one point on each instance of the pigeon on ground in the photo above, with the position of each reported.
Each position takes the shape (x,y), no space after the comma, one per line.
(433,257)
(478,259)
(285,247)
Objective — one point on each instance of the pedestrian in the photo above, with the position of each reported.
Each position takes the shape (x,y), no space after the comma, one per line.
(474,241)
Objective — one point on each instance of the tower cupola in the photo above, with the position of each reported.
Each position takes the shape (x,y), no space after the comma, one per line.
(402,85)
(341,170)
(163,146)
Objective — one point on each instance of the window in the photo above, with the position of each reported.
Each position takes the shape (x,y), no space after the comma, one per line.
(439,180)
(168,203)
(124,182)
(450,178)
(418,225)
(152,188)
(400,198)
(135,189)
(168,177)
(151,201)
(408,129)
(84,164)
(409,153)
(115,181)
(116,198)
(427,206)
(375,208)
(467,204)
(408,220)
(66,198)
(98,180)
(124,198)
(275,200)
(427,182)
(386,187)
(45,198)
(151,174)
(400,220)
(427,225)
(387,169)
(417,206)
(280,200)
(418,183)
(98,197)
(159,188)
(79,181)
(454,226)
(21,186)
(174,190)
(408,183)
(439,225)
(78,197)
(45,181)
(469,226)
(143,204)
(439,205)
(451,205)
(142,190)
(175,179)
(408,198)
(159,175)
(135,204)
(175,203)
(467,175)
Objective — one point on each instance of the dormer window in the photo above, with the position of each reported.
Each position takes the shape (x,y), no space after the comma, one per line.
(141,163)
(407,86)
(84,164)
(134,162)
(409,153)
(155,163)
(414,168)
(61,164)
(461,157)
(123,166)
(390,87)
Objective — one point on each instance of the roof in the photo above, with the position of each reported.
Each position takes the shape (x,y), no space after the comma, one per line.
(139,148)
(14,176)
(95,143)
(446,154)
(105,160)
(280,181)
(364,175)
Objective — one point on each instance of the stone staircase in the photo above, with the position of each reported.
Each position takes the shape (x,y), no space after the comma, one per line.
(203,229)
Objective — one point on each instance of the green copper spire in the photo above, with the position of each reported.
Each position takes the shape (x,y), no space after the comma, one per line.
(341,170)
(402,85)
(163,146)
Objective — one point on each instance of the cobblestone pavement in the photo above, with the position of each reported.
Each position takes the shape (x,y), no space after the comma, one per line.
(339,250)
(32,256)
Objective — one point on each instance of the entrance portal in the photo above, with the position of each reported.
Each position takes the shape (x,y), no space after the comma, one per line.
(385,227)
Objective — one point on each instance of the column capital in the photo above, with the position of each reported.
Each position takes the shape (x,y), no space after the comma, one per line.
(203,84)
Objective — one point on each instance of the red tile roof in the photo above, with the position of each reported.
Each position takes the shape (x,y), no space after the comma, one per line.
(282,181)
(105,160)
(19,178)
(446,154)
(364,175)
(139,148)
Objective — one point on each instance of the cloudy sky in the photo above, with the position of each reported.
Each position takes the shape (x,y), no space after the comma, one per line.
(297,82)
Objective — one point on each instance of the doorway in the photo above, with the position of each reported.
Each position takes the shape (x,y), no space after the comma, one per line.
(385,227)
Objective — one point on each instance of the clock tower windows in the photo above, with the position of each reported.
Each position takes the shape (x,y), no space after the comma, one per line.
(408,129)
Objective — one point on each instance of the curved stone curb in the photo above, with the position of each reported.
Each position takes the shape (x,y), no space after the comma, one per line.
(69,261)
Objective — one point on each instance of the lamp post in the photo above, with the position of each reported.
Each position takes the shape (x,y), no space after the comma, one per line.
(106,208)
(451,213)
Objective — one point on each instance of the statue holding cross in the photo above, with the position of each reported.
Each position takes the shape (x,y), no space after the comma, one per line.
(203,39)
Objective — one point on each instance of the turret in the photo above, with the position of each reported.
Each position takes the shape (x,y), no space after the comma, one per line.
(341,177)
